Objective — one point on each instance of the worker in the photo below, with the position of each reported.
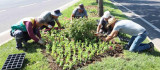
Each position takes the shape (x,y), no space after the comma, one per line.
(26,29)
(137,32)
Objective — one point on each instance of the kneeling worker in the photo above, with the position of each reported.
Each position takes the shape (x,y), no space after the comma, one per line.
(79,12)
(137,32)
(26,29)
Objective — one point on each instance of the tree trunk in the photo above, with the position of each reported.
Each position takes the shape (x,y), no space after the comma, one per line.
(96,1)
(100,8)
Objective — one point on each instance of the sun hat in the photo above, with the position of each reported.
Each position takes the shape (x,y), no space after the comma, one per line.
(56,13)
(111,21)
(106,14)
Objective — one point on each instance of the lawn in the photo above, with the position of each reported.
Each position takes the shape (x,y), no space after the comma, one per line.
(35,60)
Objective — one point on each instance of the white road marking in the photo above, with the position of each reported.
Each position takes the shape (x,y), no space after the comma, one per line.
(28,5)
(2,11)
(46,1)
(155,28)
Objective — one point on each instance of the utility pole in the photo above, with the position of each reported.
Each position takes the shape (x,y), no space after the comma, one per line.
(100,8)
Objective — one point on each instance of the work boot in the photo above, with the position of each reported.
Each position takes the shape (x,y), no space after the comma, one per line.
(25,42)
(19,48)
(126,47)
(151,47)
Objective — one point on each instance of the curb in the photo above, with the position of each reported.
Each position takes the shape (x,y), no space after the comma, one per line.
(5,37)
(7,32)
(154,44)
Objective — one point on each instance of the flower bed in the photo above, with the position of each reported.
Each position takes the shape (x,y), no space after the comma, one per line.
(77,46)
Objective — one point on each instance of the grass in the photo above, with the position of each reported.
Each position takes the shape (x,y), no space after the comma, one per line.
(35,60)
(130,61)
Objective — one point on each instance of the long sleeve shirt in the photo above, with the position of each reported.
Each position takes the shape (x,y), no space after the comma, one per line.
(30,27)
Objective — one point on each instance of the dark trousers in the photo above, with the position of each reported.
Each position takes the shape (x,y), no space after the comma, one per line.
(52,23)
(106,31)
(21,36)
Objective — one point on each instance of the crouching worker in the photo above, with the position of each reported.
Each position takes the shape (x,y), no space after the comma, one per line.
(79,12)
(26,29)
(101,28)
(51,18)
(137,32)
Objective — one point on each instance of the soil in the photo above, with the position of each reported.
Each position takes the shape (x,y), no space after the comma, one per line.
(117,52)
(92,13)
(51,61)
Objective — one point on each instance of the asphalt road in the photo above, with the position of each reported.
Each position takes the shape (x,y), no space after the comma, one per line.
(147,9)
(13,10)
(145,13)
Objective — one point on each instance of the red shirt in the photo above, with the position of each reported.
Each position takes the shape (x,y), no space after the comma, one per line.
(30,27)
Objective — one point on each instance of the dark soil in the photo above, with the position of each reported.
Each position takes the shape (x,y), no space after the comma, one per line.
(51,61)
(90,10)
(114,52)
(117,52)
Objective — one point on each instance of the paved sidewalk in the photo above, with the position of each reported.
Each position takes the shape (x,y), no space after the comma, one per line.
(153,32)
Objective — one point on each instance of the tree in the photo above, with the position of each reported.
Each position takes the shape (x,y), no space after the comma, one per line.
(96,1)
(100,8)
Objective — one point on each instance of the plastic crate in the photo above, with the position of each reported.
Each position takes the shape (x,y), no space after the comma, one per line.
(14,61)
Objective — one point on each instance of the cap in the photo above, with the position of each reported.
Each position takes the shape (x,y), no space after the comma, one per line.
(81,6)
(111,21)
(56,13)
(106,14)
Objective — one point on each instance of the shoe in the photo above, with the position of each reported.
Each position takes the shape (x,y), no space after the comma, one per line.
(21,48)
(25,43)
(151,47)
(126,47)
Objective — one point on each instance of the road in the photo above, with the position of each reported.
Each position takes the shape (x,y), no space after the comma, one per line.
(144,12)
(13,10)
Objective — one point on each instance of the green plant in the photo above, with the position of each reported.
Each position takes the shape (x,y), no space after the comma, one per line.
(80,54)
(81,29)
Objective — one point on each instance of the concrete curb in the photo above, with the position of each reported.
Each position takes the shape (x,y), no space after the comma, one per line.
(154,44)
(5,36)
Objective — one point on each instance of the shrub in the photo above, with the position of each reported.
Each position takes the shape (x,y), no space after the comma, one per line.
(81,29)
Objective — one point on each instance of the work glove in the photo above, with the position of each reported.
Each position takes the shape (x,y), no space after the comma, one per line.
(49,26)
(41,42)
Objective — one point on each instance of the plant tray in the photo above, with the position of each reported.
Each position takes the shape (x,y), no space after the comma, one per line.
(14,61)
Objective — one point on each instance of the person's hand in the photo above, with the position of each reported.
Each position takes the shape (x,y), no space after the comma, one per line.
(97,34)
(41,42)
(60,29)
(104,39)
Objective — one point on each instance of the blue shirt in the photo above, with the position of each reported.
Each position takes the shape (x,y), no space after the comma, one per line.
(78,14)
